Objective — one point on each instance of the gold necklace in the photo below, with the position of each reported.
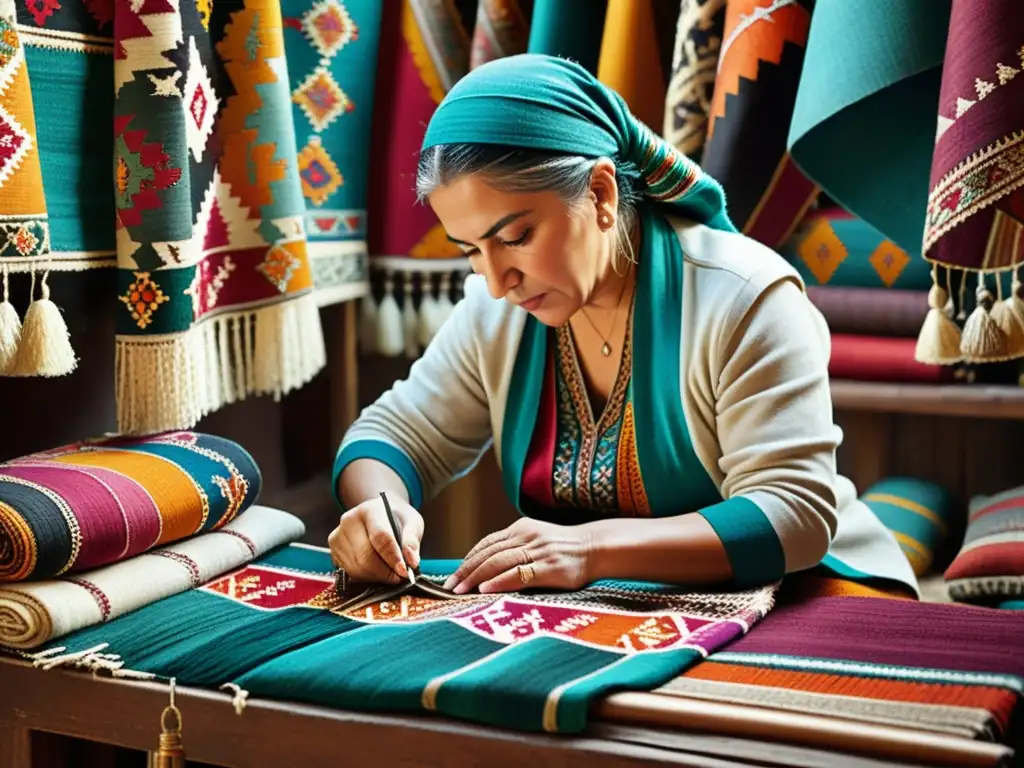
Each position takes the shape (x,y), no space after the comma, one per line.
(606,348)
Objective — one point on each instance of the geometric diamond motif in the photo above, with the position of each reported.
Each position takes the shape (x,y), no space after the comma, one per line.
(321,99)
(278,266)
(200,102)
(329,27)
(14,144)
(822,251)
(142,299)
(320,176)
(889,261)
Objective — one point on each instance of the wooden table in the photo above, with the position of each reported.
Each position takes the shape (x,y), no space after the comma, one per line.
(279,734)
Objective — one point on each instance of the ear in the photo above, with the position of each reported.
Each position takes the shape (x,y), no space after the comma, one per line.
(604,193)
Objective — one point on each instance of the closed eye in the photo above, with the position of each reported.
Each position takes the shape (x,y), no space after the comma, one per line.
(519,240)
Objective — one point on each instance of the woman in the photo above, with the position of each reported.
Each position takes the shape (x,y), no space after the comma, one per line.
(654,384)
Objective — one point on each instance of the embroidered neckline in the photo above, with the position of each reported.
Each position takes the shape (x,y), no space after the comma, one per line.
(586,442)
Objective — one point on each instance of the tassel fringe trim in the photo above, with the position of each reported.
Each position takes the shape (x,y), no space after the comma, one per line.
(413,300)
(172,382)
(992,332)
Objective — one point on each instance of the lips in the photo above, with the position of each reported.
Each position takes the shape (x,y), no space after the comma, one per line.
(531,304)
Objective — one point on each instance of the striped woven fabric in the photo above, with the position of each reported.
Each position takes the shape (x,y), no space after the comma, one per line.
(918,514)
(944,668)
(990,565)
(92,503)
(34,612)
(524,661)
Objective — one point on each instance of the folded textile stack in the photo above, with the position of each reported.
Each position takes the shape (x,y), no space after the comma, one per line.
(926,667)
(873,296)
(96,529)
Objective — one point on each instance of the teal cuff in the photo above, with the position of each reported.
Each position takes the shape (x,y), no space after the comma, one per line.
(386,454)
(751,544)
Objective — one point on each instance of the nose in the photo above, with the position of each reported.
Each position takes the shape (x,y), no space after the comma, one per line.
(500,277)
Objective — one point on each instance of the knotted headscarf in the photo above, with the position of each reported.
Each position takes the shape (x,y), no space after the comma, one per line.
(533,101)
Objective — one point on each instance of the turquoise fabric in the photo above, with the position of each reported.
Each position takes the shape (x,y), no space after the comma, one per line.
(387,454)
(571,29)
(523,398)
(863,126)
(918,512)
(533,101)
(751,544)
(674,478)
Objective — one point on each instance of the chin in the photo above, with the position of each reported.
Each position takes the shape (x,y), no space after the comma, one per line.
(553,317)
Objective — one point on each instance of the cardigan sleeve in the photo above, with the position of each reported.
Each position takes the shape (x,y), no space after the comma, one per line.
(776,433)
(434,425)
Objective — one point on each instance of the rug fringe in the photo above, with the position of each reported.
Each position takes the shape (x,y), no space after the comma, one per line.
(238,698)
(171,382)
(88,658)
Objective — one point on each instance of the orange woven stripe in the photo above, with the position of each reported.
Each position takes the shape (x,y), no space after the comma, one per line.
(183,506)
(811,584)
(996,700)
(21,545)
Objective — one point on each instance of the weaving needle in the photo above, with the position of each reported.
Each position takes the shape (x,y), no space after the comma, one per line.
(398,537)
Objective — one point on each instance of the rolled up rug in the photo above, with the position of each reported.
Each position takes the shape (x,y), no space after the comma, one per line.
(93,503)
(870,311)
(35,613)
(877,358)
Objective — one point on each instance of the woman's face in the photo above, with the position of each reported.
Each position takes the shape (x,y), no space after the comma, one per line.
(533,249)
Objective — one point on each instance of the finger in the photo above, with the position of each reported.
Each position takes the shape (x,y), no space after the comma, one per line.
(511,580)
(382,539)
(364,564)
(500,562)
(411,546)
(479,554)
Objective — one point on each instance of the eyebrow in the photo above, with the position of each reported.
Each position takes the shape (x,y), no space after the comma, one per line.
(497,227)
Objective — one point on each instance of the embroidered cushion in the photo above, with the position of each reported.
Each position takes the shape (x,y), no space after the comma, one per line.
(917,512)
(990,564)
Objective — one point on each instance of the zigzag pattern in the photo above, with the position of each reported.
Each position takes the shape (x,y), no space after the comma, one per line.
(755,31)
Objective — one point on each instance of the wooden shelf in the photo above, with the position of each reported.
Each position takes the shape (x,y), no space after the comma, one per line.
(975,401)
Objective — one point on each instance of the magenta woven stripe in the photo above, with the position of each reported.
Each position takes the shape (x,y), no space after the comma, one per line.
(104,535)
(127,502)
(898,632)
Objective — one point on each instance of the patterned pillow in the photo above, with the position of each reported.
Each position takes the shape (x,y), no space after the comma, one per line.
(916,512)
(990,564)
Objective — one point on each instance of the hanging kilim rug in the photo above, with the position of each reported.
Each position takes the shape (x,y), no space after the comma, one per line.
(163,133)
(277,628)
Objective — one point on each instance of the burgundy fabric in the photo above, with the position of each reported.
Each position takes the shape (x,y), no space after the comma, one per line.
(978,161)
(881,631)
(876,358)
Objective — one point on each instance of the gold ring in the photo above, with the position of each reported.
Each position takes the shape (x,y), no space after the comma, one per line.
(526,573)
(526,555)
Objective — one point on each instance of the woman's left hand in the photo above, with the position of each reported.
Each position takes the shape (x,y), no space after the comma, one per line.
(529,553)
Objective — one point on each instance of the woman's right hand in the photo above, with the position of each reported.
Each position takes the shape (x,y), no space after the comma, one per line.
(364,545)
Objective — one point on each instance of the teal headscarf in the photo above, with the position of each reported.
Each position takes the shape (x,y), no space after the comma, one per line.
(534,101)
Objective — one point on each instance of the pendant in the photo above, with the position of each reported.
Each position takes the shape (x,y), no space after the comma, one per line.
(606,350)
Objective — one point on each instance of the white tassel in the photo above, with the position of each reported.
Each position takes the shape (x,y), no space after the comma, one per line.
(428,311)
(444,303)
(368,323)
(10,330)
(45,347)
(389,322)
(409,320)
